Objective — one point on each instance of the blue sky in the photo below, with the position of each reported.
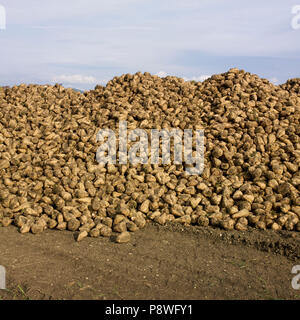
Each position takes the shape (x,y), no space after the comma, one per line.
(84,42)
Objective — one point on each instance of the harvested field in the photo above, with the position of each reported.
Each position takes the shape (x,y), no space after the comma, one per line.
(160,262)
(50,181)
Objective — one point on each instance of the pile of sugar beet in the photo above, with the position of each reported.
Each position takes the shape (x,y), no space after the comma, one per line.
(49,176)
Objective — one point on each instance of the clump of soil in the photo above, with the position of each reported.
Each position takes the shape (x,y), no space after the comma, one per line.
(50,178)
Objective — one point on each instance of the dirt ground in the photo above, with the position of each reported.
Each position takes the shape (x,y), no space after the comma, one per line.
(171,262)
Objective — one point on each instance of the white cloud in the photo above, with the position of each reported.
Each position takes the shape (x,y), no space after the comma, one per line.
(274,80)
(76,78)
(199,78)
(161,74)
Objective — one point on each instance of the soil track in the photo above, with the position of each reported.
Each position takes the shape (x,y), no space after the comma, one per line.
(172,262)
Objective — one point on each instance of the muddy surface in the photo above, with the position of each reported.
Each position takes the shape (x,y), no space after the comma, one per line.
(171,262)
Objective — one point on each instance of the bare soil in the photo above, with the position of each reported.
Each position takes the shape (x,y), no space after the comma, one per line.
(171,262)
